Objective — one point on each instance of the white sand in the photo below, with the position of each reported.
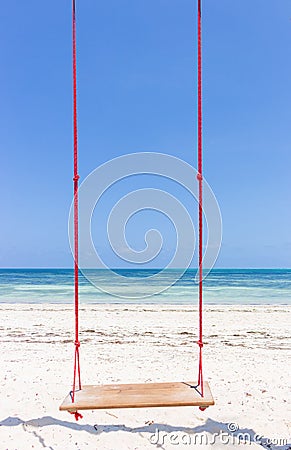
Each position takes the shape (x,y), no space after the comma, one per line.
(246,363)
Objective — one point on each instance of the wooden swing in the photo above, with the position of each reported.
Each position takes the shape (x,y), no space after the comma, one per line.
(143,395)
(193,393)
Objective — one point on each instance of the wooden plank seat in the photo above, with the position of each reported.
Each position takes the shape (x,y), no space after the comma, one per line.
(142,395)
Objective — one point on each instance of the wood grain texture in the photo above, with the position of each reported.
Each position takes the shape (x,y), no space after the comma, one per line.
(138,396)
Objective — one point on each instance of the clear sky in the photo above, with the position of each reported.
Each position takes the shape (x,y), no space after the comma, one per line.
(137,92)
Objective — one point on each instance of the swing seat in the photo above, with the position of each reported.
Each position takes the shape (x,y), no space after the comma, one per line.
(143,395)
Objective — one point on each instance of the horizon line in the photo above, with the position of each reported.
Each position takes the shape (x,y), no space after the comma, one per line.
(144,268)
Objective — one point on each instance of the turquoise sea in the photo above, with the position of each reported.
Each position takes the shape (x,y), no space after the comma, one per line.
(221,287)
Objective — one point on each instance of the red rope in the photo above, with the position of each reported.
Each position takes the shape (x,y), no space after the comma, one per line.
(76,414)
(200,188)
(77,377)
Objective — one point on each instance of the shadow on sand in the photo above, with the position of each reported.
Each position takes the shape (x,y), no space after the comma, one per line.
(160,433)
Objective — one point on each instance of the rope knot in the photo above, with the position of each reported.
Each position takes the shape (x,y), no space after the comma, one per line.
(199,176)
(77,344)
(76,414)
(76,178)
(200,343)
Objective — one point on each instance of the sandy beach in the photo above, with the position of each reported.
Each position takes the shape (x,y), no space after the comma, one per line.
(245,361)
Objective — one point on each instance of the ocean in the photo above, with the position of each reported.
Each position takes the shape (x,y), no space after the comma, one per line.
(221,286)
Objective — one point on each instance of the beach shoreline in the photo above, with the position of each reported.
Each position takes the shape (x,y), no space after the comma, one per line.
(245,361)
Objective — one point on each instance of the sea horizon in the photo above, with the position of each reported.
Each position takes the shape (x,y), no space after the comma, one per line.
(222,286)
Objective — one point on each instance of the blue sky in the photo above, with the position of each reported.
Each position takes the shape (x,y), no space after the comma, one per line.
(137,92)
